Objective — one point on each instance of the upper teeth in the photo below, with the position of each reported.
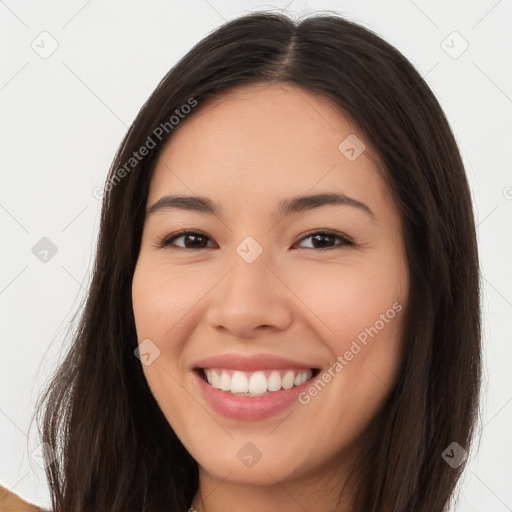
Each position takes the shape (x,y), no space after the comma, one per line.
(255,383)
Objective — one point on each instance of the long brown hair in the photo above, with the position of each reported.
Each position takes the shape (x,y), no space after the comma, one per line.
(116,452)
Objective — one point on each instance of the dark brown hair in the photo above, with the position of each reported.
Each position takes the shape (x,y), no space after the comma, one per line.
(116,450)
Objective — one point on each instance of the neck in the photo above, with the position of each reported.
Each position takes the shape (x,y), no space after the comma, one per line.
(325,490)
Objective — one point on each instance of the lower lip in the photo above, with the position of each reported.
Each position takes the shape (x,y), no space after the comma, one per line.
(249,408)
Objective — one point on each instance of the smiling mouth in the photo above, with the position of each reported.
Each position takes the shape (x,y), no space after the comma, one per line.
(257,383)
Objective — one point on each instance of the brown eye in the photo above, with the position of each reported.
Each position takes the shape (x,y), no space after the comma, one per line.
(323,239)
(320,240)
(191,239)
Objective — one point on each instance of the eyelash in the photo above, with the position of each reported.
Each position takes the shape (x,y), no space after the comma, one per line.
(167,241)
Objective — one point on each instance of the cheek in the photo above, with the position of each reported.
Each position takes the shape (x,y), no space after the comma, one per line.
(158,309)
(351,297)
(363,309)
(162,297)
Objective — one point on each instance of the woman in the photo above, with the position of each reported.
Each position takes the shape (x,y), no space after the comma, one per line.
(285,307)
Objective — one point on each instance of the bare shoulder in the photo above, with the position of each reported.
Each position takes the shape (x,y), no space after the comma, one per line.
(10,502)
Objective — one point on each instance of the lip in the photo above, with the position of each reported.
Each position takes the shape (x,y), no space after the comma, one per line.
(251,363)
(249,408)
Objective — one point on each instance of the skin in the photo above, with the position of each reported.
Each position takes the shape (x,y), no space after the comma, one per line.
(11,502)
(247,149)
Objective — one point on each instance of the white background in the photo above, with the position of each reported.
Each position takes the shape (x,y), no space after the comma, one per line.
(63,117)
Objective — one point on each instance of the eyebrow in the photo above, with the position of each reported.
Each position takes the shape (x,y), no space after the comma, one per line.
(286,207)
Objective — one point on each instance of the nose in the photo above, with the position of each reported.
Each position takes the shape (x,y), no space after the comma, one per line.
(251,299)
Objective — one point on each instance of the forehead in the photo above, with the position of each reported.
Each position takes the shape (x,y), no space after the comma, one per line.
(261,142)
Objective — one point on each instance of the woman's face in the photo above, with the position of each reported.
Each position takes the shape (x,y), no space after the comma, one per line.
(259,298)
